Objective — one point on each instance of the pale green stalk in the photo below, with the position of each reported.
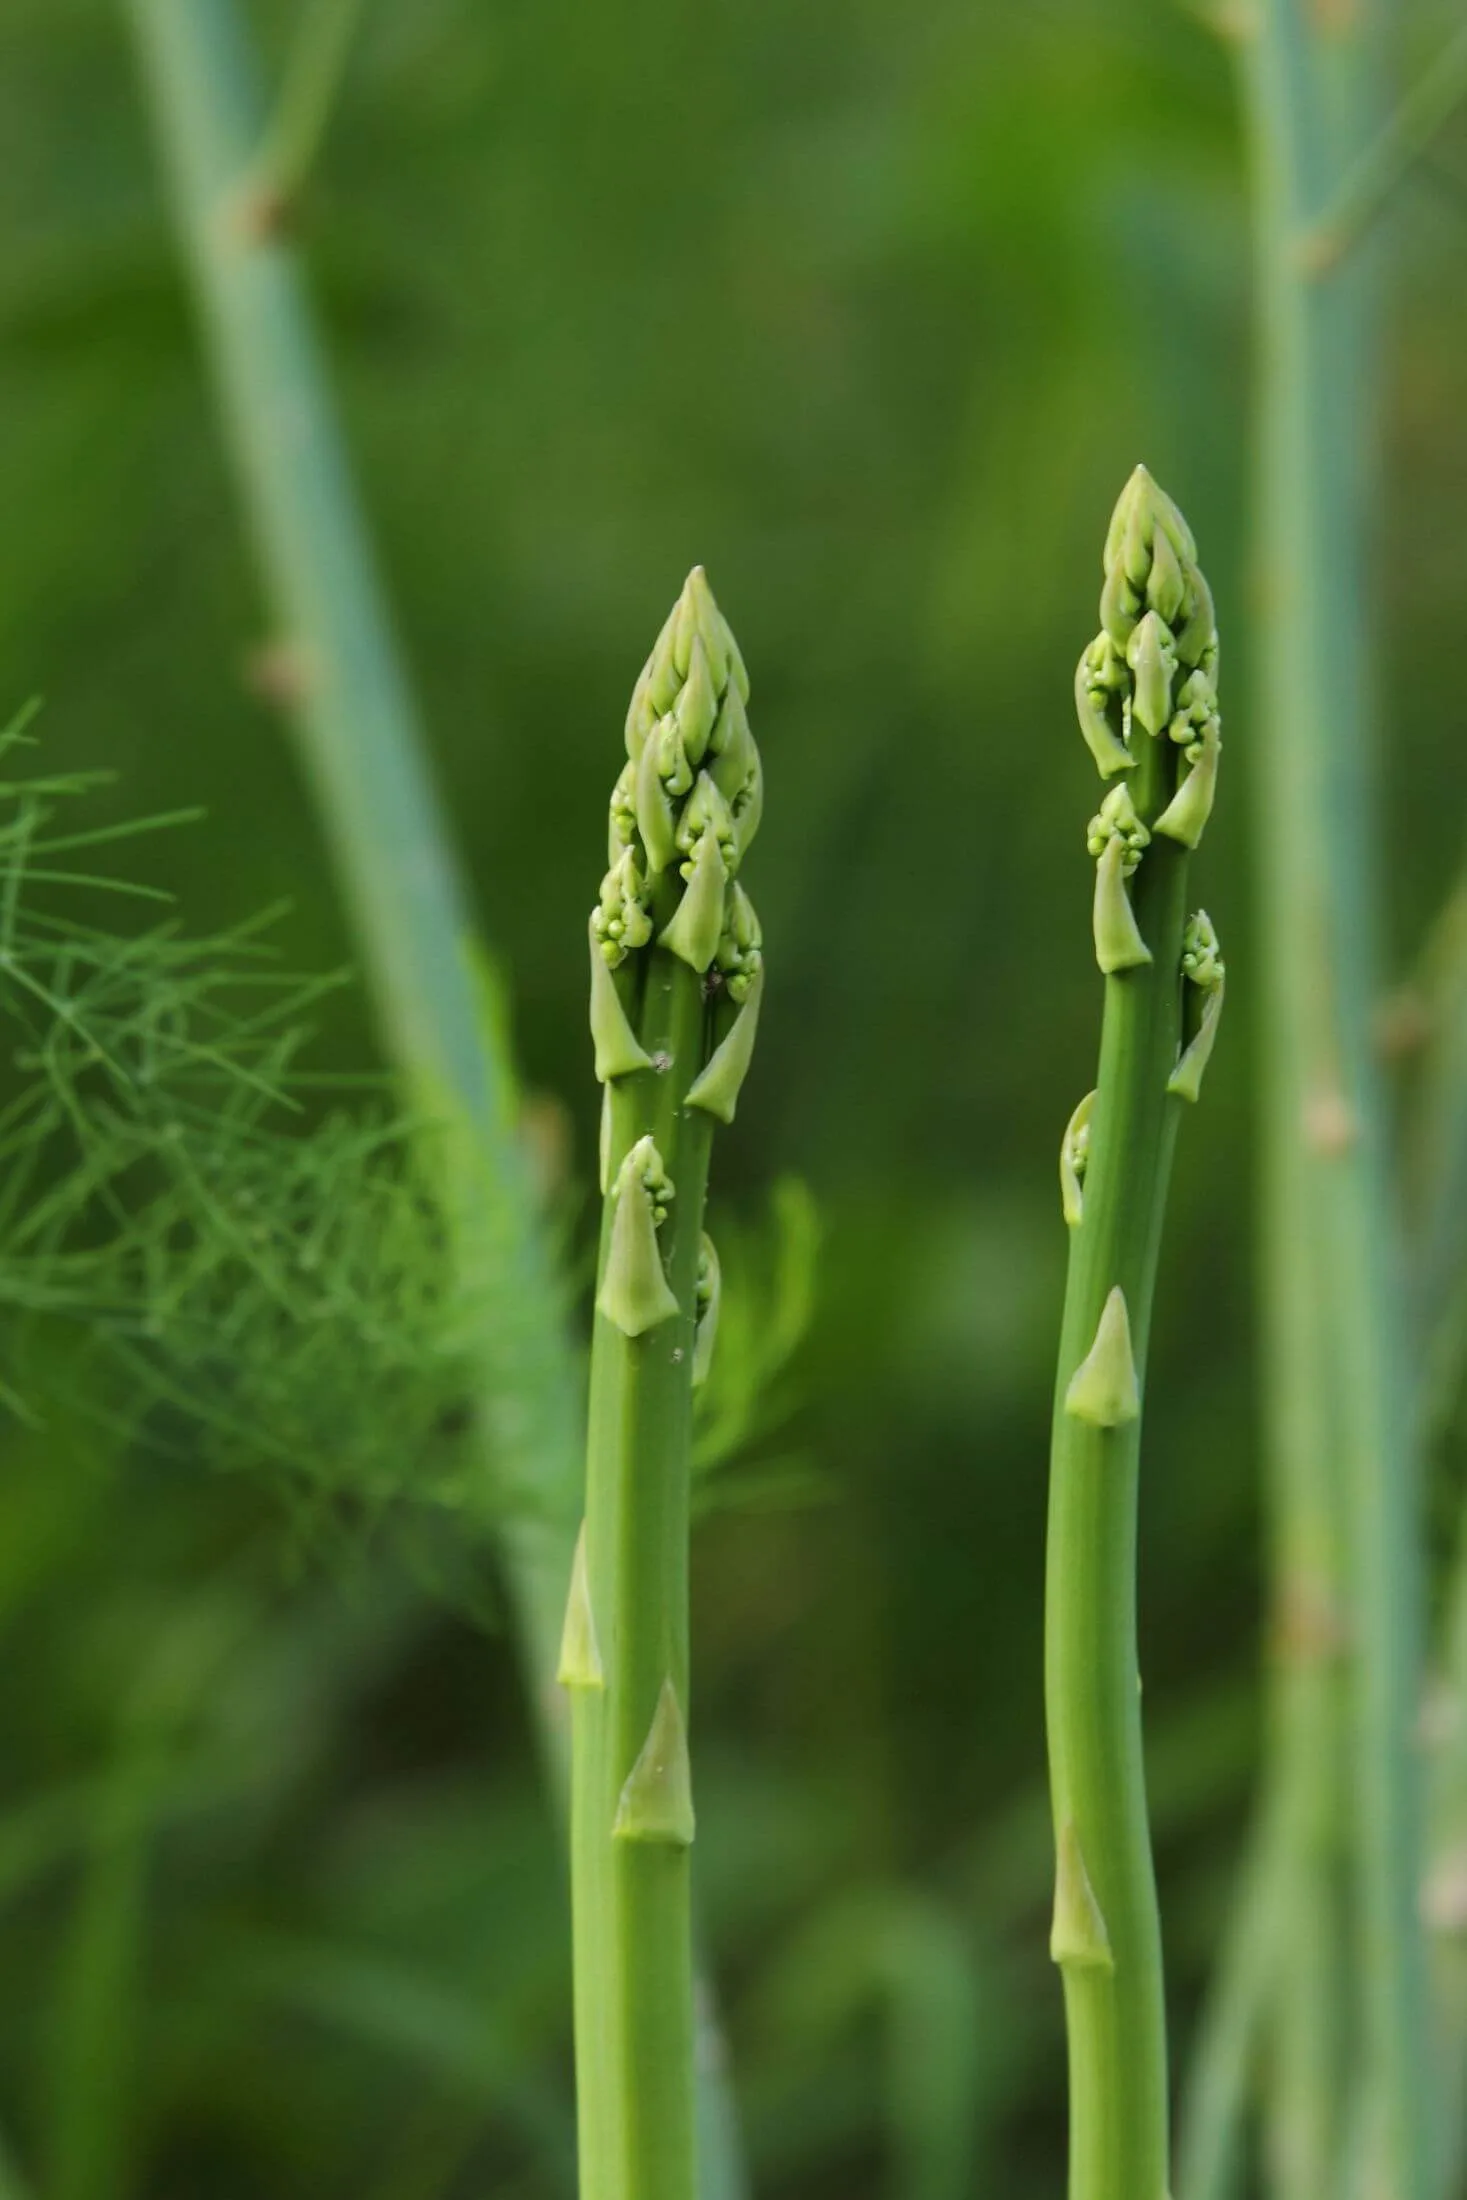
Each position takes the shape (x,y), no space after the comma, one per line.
(676,975)
(1378,171)
(1444,1892)
(1435,1176)
(1146,691)
(1229,2050)
(313,74)
(1350,2023)
(362,745)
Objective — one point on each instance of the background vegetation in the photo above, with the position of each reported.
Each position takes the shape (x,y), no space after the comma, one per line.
(871,310)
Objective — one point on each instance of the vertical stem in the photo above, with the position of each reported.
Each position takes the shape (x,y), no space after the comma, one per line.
(1114,2011)
(1227,2053)
(632,1896)
(1445,1891)
(1147,699)
(676,978)
(1343,1479)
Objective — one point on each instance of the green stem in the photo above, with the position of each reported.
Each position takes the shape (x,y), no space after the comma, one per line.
(676,973)
(362,745)
(313,72)
(1344,1483)
(634,2001)
(1114,2012)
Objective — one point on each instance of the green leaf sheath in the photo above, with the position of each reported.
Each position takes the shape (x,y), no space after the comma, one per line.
(675,985)
(1147,699)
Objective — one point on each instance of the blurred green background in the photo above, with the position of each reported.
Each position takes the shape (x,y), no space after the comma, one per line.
(870,308)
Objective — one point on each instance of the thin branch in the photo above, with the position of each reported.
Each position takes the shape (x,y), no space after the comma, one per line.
(1369,184)
(310,87)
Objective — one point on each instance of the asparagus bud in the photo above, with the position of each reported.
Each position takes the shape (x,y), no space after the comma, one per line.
(1153,665)
(677,973)
(1146,697)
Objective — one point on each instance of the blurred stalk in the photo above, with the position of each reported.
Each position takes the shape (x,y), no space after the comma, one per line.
(362,745)
(1444,1896)
(1227,2055)
(1435,1183)
(313,73)
(1343,1482)
(100,1985)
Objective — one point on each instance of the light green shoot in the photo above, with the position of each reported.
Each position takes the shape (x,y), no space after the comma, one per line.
(676,977)
(1147,696)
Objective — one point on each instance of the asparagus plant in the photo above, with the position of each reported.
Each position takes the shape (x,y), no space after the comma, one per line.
(1146,692)
(676,977)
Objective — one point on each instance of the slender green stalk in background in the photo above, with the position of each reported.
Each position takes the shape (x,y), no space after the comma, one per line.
(676,976)
(1229,2046)
(1367,184)
(305,100)
(362,745)
(1345,2008)
(1147,697)
(1435,1182)
(1343,1475)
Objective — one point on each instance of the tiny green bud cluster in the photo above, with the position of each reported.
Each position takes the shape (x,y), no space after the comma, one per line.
(687,803)
(1206,975)
(1149,675)
(684,810)
(1202,959)
(1153,665)
(1075,1159)
(1116,820)
(634,1290)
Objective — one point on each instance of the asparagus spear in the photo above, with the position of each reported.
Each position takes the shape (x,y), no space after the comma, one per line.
(1146,692)
(676,976)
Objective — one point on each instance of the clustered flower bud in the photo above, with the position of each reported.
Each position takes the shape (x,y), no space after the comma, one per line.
(1116,820)
(1202,961)
(687,803)
(1153,665)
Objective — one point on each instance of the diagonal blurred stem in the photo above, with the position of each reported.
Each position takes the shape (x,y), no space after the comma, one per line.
(308,91)
(362,746)
(1388,159)
(1343,1471)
